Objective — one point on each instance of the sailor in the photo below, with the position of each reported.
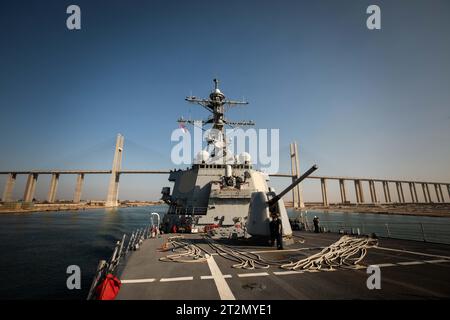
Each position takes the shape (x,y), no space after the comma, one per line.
(276,231)
(316,224)
(166,227)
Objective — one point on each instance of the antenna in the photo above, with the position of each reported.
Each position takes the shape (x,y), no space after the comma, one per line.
(215,104)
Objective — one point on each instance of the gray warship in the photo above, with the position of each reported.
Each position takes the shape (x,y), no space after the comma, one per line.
(213,242)
(221,189)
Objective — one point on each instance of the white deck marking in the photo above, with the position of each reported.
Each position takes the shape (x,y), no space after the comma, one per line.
(226,276)
(413,252)
(357,267)
(137,281)
(382,265)
(225,291)
(282,273)
(219,279)
(256,274)
(436,261)
(176,279)
(410,263)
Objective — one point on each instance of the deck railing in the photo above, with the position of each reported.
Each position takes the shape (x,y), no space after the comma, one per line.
(188,210)
(419,231)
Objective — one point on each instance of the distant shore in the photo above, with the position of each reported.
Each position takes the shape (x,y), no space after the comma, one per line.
(56,207)
(409,209)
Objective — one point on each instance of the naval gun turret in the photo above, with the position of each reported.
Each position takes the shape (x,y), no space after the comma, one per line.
(263,205)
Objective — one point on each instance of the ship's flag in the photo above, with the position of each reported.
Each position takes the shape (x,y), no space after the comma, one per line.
(182,126)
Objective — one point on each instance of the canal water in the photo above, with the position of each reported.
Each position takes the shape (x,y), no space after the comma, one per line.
(37,248)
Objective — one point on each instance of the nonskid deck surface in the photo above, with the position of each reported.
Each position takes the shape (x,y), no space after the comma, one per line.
(409,270)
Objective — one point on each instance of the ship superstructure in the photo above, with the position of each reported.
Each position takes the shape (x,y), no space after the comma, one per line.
(220,188)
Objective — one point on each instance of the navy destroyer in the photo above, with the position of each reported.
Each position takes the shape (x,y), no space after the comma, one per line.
(216,234)
(221,189)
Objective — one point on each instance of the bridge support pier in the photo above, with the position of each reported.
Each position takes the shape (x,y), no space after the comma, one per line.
(413,191)
(401,196)
(425,197)
(438,199)
(323,184)
(9,187)
(342,189)
(78,188)
(359,192)
(113,189)
(387,192)
(426,193)
(51,197)
(439,195)
(30,187)
(373,193)
(401,191)
(356,191)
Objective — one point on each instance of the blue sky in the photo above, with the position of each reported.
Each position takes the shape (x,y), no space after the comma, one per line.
(358,102)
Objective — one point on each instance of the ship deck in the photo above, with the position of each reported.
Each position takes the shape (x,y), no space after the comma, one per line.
(409,270)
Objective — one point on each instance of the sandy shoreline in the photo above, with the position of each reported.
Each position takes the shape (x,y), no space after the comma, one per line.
(73,207)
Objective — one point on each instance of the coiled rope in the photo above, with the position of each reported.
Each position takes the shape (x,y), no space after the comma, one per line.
(346,252)
(190,253)
(246,260)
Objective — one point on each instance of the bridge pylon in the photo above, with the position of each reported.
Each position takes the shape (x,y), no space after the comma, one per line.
(113,189)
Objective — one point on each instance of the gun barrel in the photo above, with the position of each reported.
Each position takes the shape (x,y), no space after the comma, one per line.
(275,199)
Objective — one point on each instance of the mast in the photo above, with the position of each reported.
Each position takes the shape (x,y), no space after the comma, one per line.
(216,105)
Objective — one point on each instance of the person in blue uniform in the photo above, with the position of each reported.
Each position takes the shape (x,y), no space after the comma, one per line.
(276,231)
(316,224)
